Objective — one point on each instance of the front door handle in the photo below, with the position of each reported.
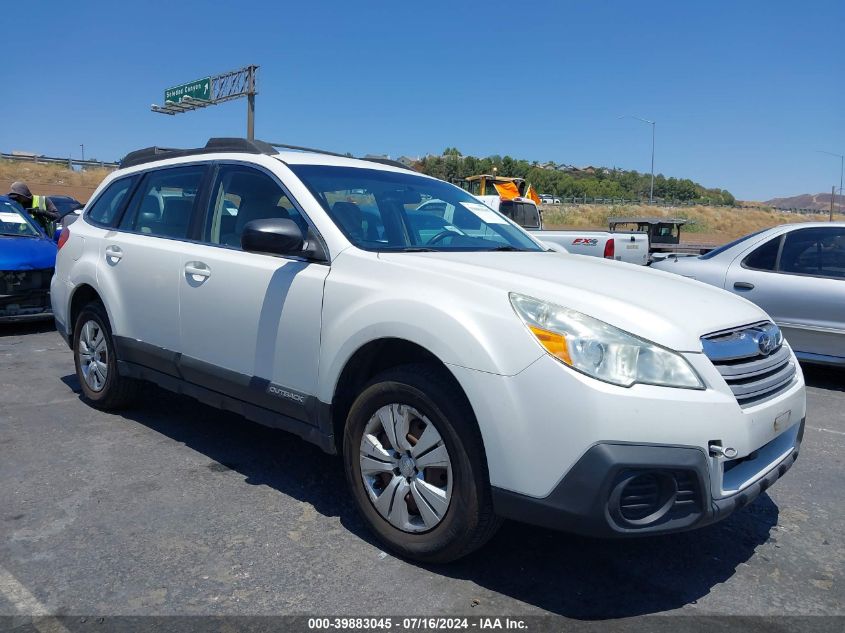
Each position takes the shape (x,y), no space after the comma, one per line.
(743,285)
(197,271)
(113,254)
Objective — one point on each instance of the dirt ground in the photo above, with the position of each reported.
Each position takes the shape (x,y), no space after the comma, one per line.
(51,179)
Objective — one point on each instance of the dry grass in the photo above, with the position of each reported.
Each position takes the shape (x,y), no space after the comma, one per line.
(46,179)
(708,224)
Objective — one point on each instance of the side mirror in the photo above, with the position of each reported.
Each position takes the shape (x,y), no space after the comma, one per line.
(273,236)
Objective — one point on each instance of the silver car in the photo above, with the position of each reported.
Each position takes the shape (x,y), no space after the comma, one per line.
(795,272)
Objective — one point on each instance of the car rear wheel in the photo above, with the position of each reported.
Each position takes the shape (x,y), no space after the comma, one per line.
(415,463)
(96,362)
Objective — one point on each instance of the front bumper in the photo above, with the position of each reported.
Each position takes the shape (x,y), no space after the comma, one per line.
(25,295)
(25,307)
(591,498)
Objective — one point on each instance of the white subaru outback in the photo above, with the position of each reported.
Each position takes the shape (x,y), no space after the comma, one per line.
(464,372)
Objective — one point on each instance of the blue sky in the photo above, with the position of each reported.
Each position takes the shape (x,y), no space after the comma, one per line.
(743,93)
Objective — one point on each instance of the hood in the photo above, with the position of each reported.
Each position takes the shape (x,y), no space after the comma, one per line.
(27,253)
(664,308)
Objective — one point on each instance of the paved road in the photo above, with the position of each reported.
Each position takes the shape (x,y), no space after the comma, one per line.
(176,508)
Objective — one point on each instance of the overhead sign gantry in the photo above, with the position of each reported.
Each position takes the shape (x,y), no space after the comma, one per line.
(209,91)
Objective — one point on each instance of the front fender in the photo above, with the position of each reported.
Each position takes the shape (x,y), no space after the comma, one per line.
(366,299)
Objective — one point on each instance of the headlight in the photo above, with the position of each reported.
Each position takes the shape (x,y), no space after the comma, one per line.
(601,350)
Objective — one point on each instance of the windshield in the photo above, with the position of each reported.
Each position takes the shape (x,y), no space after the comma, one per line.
(725,247)
(392,211)
(14,221)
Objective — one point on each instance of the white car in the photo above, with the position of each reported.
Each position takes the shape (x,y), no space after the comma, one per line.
(464,375)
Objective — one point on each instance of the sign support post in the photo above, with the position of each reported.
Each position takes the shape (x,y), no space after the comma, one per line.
(212,91)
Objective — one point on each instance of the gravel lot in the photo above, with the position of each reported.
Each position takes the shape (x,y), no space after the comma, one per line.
(177,508)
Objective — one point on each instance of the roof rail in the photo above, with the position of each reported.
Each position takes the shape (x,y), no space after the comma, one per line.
(214,145)
(388,161)
(298,148)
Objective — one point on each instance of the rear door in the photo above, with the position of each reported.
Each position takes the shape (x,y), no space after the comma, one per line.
(250,323)
(799,279)
(139,265)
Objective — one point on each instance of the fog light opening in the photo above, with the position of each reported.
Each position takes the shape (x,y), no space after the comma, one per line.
(641,498)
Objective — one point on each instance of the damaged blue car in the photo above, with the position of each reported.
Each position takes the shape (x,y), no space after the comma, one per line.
(27,260)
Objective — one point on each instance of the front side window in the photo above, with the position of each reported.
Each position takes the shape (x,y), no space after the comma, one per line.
(163,204)
(239,195)
(107,205)
(398,211)
(14,221)
(815,251)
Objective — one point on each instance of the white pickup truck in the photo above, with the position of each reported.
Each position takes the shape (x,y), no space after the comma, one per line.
(623,247)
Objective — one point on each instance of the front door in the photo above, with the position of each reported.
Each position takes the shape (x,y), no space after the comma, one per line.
(250,323)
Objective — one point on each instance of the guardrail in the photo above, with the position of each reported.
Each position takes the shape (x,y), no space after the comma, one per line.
(70,162)
(576,200)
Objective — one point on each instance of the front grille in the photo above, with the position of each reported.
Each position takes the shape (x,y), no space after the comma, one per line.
(753,361)
(15,282)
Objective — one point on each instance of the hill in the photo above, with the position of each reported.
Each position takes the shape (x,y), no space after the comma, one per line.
(818,201)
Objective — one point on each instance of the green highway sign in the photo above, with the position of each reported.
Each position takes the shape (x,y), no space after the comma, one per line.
(199,89)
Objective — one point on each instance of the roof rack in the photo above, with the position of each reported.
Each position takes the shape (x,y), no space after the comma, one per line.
(388,161)
(383,161)
(214,145)
(298,148)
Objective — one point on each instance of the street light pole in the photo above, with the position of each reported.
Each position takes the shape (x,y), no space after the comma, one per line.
(652,124)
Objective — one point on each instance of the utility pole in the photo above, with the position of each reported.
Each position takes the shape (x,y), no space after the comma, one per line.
(652,124)
(841,158)
(82,147)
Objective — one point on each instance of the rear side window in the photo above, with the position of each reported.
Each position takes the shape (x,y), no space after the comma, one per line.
(164,202)
(764,257)
(108,204)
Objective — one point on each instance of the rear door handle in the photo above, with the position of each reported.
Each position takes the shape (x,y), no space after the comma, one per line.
(197,271)
(113,254)
(743,285)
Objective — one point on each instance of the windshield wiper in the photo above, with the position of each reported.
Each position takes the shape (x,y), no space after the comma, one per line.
(417,249)
(17,234)
(506,247)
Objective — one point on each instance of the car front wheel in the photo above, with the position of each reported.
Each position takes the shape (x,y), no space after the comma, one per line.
(415,462)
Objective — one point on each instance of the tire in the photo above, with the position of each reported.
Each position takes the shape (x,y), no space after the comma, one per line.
(419,396)
(111,391)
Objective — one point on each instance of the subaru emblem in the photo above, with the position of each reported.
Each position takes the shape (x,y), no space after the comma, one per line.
(766,341)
